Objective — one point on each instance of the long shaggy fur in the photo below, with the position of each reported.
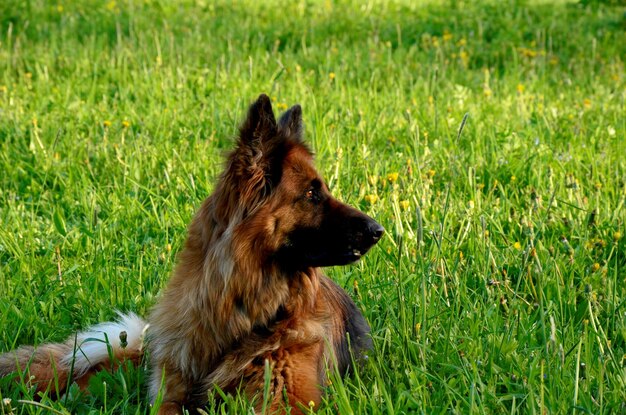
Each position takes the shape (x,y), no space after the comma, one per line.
(247,294)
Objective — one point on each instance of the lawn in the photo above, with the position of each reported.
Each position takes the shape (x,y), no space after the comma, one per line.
(487,137)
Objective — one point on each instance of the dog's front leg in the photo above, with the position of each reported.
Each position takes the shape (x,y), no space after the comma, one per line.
(169,381)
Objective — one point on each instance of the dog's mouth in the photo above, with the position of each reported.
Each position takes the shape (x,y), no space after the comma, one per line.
(348,255)
(312,248)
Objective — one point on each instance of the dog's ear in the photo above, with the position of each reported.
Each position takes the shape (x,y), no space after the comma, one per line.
(252,167)
(290,124)
(260,124)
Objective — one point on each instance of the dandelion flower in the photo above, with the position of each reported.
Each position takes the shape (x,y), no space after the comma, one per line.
(520,88)
(392,177)
(595,267)
(125,124)
(610,129)
(404,204)
(331,76)
(371,199)
(431,173)
(517,246)
(587,103)
(464,57)
(617,236)
(106,123)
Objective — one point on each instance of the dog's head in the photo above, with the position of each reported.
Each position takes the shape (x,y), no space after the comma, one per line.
(284,211)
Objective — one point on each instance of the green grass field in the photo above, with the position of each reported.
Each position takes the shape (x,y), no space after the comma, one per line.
(500,285)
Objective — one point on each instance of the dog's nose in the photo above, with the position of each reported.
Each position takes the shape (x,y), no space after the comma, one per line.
(375,230)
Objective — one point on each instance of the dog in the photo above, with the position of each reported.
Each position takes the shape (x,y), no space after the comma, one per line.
(247,299)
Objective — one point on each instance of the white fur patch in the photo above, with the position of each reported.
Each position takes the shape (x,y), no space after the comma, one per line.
(99,342)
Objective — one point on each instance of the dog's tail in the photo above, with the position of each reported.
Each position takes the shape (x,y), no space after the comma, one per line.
(104,346)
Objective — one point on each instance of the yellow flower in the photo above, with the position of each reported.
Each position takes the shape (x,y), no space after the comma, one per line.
(106,123)
(517,246)
(331,76)
(461,42)
(125,124)
(430,173)
(464,57)
(356,284)
(595,267)
(617,236)
(392,177)
(404,204)
(520,88)
(610,129)
(587,103)
(446,36)
(371,199)
(3,89)
(487,92)
(311,404)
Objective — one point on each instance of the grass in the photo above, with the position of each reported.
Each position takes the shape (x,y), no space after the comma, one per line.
(499,287)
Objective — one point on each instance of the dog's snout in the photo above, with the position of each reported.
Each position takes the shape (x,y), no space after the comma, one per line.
(375,230)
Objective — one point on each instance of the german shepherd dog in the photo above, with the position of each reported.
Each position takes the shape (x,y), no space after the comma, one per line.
(247,299)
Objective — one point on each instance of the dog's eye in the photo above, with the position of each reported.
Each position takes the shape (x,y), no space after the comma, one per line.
(309,194)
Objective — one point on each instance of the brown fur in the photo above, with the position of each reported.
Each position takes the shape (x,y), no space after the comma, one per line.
(247,294)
